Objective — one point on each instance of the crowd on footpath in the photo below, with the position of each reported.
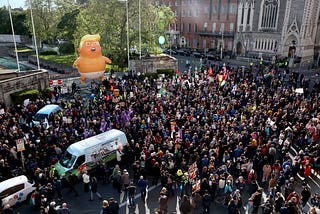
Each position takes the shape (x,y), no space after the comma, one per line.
(239,132)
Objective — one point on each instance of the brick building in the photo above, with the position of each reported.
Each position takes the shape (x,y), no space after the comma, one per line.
(203,24)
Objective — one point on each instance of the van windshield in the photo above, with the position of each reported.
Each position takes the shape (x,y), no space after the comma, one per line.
(67,160)
(39,117)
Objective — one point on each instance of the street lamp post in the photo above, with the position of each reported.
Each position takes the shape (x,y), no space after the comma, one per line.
(222,44)
(139,30)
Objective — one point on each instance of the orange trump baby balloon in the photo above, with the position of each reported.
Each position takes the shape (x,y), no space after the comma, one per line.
(91,64)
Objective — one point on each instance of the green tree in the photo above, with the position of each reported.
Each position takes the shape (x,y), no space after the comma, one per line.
(67,12)
(46,16)
(108,18)
(5,27)
(18,19)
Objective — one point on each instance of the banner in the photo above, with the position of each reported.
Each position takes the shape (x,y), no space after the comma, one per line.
(196,187)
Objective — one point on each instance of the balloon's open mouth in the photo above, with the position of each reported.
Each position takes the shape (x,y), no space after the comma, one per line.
(93,49)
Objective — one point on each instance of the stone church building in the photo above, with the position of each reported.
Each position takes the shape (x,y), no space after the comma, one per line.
(279,28)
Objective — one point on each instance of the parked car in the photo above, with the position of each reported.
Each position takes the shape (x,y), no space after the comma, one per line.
(213,57)
(180,52)
(198,54)
(170,51)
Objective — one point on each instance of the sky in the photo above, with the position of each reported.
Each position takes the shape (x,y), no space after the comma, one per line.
(13,3)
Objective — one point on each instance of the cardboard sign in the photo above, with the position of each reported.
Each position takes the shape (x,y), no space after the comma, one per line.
(20,145)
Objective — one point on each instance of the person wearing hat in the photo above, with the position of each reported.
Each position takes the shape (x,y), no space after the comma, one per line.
(113,207)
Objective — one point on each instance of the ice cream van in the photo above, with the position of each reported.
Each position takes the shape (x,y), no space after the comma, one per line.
(16,190)
(85,154)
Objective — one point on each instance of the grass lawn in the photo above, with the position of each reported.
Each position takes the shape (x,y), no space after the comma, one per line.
(68,60)
(64,60)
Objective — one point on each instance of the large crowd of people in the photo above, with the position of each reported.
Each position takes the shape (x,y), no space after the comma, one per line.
(238,125)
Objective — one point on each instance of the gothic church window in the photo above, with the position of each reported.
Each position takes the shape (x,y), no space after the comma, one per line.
(269,15)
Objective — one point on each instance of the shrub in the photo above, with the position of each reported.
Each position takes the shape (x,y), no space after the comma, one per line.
(46,93)
(66,48)
(19,96)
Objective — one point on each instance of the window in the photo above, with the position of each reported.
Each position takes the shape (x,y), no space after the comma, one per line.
(205,10)
(214,27)
(222,27)
(196,12)
(183,2)
(223,8)
(81,159)
(182,27)
(176,13)
(182,13)
(205,25)
(190,2)
(215,9)
(195,28)
(269,15)
(176,3)
(170,4)
(11,191)
(249,13)
(242,15)
(189,13)
(233,8)
(231,27)
(67,160)
(229,45)
(189,28)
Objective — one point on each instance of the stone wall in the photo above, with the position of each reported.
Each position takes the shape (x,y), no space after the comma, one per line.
(32,80)
(154,62)
(8,38)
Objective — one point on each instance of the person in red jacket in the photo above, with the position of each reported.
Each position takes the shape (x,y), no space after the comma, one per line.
(295,195)
(307,172)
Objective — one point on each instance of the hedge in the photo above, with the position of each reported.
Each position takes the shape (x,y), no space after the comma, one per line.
(168,72)
(19,96)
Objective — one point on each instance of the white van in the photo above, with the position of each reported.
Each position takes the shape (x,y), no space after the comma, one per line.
(15,190)
(87,153)
(44,113)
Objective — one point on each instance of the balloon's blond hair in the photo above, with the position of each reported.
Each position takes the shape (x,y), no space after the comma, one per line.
(88,37)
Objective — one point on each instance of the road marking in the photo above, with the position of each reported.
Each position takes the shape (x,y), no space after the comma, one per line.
(178,205)
(139,195)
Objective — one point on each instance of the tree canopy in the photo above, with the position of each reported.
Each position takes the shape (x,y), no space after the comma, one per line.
(68,20)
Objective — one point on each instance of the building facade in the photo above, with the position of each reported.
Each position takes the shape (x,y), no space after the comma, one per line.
(278,28)
(203,24)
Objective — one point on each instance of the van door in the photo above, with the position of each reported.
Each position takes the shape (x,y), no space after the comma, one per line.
(12,195)
(78,165)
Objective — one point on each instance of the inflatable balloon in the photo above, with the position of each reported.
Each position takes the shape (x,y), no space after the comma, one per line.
(91,64)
